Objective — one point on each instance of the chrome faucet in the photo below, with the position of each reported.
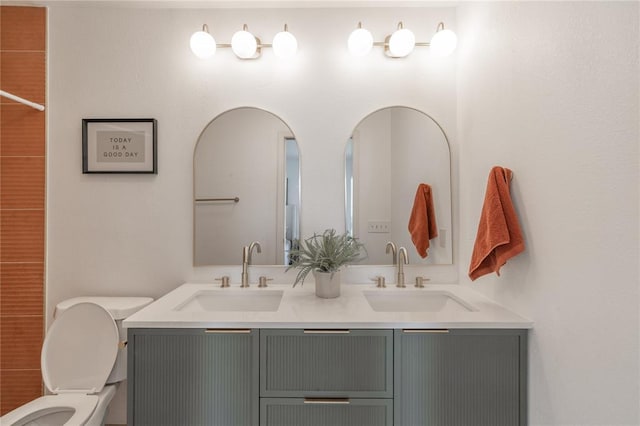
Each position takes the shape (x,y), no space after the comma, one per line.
(246,261)
(403,259)
(394,251)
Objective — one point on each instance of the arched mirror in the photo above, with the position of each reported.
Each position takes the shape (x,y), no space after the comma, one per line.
(389,155)
(246,188)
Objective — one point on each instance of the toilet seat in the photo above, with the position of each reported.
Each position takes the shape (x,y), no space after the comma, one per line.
(79,350)
(78,354)
(83,406)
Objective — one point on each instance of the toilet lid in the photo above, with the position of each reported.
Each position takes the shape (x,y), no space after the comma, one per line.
(79,350)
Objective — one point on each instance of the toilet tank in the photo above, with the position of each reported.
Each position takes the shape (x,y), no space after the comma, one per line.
(119,308)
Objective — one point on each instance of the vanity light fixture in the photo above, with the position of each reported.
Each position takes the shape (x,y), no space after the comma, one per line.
(243,44)
(203,45)
(402,42)
(285,44)
(443,42)
(360,41)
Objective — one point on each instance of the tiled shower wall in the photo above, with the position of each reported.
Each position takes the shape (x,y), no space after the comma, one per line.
(22,204)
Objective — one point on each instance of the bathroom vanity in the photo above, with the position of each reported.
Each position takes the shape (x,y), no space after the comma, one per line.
(281,356)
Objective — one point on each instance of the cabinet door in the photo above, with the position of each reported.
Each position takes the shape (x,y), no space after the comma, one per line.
(326,363)
(460,377)
(306,412)
(193,377)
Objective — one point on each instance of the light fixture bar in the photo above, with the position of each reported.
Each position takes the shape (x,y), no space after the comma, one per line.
(418,44)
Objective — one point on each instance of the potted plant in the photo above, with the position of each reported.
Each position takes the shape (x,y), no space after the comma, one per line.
(324,254)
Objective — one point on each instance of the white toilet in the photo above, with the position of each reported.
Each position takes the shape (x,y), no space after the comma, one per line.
(83,358)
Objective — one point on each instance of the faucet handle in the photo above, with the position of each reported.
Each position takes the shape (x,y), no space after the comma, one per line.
(262,281)
(420,281)
(379,280)
(225,281)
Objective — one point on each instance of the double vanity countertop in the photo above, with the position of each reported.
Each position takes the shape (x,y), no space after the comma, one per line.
(360,306)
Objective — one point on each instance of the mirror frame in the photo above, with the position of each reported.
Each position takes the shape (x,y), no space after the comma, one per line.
(291,135)
(344,176)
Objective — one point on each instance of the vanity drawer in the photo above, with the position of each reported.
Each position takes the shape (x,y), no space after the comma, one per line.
(326,363)
(305,412)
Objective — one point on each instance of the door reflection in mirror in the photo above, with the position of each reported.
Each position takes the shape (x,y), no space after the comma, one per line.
(253,155)
(292,202)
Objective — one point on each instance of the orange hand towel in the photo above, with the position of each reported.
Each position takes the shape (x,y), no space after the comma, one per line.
(499,237)
(422,223)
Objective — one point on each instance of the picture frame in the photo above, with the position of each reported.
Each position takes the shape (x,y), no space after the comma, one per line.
(119,145)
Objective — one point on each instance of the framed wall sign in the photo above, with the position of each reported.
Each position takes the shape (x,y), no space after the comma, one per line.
(127,145)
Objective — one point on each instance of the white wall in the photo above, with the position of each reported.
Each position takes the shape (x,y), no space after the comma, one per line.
(551,91)
(132,235)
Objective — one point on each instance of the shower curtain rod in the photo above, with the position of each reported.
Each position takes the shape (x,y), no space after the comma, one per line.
(22,100)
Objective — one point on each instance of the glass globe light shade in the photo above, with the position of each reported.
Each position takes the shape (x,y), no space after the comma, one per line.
(401,43)
(285,45)
(443,43)
(360,42)
(202,44)
(244,44)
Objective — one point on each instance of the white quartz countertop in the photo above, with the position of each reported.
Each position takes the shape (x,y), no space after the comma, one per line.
(300,308)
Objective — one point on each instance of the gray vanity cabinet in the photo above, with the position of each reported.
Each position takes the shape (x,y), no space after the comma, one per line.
(291,377)
(460,377)
(193,377)
(326,377)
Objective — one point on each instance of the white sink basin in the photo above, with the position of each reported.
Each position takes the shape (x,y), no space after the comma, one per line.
(416,301)
(232,300)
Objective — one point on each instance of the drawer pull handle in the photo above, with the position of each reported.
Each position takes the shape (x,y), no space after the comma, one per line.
(327,331)
(426,331)
(228,330)
(326,400)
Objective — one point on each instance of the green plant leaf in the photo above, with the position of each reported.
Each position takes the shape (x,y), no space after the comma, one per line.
(325,252)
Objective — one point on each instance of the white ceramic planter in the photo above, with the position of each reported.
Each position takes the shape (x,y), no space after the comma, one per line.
(327,284)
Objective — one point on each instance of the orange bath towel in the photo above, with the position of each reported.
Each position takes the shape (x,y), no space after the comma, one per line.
(422,223)
(499,237)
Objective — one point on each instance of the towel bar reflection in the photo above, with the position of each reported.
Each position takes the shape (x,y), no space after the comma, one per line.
(208,200)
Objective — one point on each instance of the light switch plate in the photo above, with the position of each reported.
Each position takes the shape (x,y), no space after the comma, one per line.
(378,227)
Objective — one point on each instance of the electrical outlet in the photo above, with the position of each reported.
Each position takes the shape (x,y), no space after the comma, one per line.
(378,227)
